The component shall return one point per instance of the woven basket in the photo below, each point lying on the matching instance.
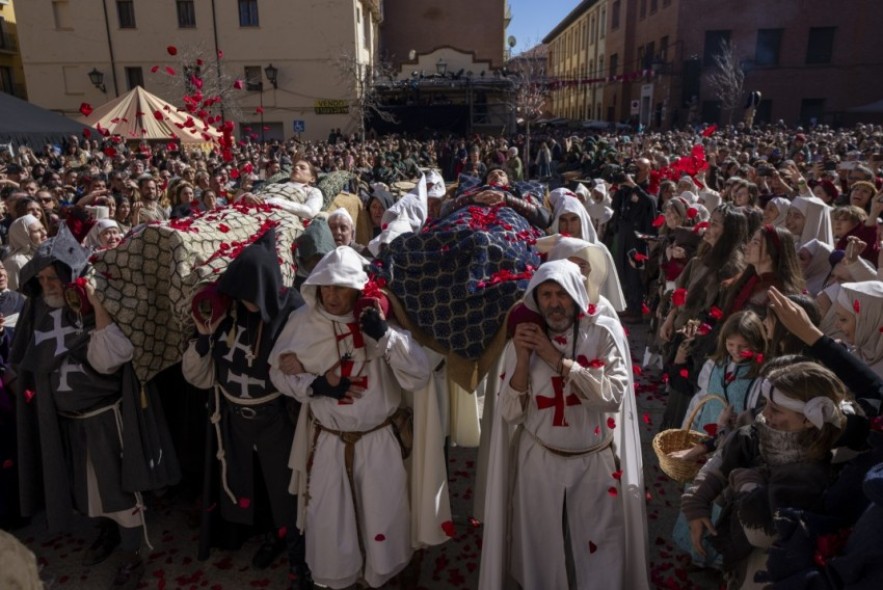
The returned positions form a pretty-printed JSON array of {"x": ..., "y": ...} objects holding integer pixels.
[{"x": 680, "y": 439}]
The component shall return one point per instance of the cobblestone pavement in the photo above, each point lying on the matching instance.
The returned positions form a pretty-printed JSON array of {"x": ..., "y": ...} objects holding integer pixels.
[{"x": 173, "y": 564}]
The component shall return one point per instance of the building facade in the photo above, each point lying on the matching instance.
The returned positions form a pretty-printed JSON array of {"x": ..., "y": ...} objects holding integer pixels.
[
  {"x": 12, "y": 78},
  {"x": 576, "y": 62},
  {"x": 811, "y": 62},
  {"x": 318, "y": 50}
]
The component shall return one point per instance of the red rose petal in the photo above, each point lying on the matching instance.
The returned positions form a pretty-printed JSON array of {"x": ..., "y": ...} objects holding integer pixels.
[
  {"x": 646, "y": 418},
  {"x": 617, "y": 474},
  {"x": 282, "y": 532},
  {"x": 172, "y": 50},
  {"x": 223, "y": 227},
  {"x": 380, "y": 537},
  {"x": 592, "y": 547},
  {"x": 611, "y": 423},
  {"x": 659, "y": 221},
  {"x": 644, "y": 309},
  {"x": 637, "y": 370},
  {"x": 29, "y": 395},
  {"x": 86, "y": 109},
  {"x": 711, "y": 429},
  {"x": 448, "y": 527},
  {"x": 692, "y": 212},
  {"x": 856, "y": 306},
  {"x": 715, "y": 313},
  {"x": 684, "y": 373},
  {"x": 679, "y": 297},
  {"x": 664, "y": 378},
  {"x": 244, "y": 503},
  {"x": 612, "y": 492}
]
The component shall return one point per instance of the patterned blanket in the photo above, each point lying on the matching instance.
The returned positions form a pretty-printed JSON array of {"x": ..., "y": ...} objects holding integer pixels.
[
  {"x": 457, "y": 279},
  {"x": 148, "y": 281}
]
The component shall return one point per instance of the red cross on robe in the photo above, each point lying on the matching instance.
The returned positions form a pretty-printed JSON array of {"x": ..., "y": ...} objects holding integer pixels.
[
  {"x": 353, "y": 327},
  {"x": 558, "y": 402},
  {"x": 346, "y": 370}
]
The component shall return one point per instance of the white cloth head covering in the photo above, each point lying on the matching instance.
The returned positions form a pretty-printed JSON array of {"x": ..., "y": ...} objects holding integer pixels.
[
  {"x": 566, "y": 274},
  {"x": 819, "y": 410},
  {"x": 564, "y": 201},
  {"x": 819, "y": 268},
  {"x": 582, "y": 193},
  {"x": 710, "y": 199},
  {"x": 818, "y": 219},
  {"x": 93, "y": 238},
  {"x": 20, "y": 237},
  {"x": 436, "y": 185},
  {"x": 782, "y": 205},
  {"x": 690, "y": 197},
  {"x": 408, "y": 214},
  {"x": 602, "y": 280},
  {"x": 342, "y": 213},
  {"x": 342, "y": 267},
  {"x": 868, "y": 341}
]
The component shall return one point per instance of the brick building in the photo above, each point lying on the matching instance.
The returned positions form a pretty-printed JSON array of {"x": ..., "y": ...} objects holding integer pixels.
[{"x": 811, "y": 61}]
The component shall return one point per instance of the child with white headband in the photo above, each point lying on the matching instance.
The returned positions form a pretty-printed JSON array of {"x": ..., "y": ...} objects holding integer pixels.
[{"x": 782, "y": 460}]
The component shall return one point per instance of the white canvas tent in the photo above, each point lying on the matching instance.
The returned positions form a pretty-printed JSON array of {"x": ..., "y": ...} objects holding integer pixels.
[{"x": 139, "y": 115}]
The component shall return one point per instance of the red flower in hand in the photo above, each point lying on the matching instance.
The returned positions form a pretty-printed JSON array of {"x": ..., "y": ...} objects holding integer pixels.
[{"x": 679, "y": 297}]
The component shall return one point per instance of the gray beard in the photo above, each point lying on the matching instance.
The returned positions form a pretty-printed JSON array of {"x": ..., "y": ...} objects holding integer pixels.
[{"x": 54, "y": 301}]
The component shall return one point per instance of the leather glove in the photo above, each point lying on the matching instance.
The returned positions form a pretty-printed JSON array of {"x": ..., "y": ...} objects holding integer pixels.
[
  {"x": 320, "y": 386},
  {"x": 372, "y": 324}
]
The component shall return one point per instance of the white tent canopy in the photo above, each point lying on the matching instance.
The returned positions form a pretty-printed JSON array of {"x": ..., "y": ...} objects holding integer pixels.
[{"x": 139, "y": 114}]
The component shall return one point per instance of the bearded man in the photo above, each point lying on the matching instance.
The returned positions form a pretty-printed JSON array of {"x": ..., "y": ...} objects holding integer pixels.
[{"x": 577, "y": 497}]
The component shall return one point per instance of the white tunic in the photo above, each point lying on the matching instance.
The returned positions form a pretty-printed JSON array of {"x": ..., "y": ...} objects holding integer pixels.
[{"x": 384, "y": 368}]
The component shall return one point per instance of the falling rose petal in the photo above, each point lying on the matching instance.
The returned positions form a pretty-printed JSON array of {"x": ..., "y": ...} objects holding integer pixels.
[
  {"x": 238, "y": 85},
  {"x": 758, "y": 358},
  {"x": 637, "y": 370},
  {"x": 154, "y": 69},
  {"x": 645, "y": 309},
  {"x": 611, "y": 423},
  {"x": 87, "y": 133},
  {"x": 259, "y": 110},
  {"x": 220, "y": 54},
  {"x": 612, "y": 492},
  {"x": 659, "y": 221},
  {"x": 592, "y": 547},
  {"x": 86, "y": 109},
  {"x": 170, "y": 70},
  {"x": 597, "y": 430},
  {"x": 715, "y": 312},
  {"x": 199, "y": 62},
  {"x": 711, "y": 429},
  {"x": 158, "y": 115},
  {"x": 856, "y": 306},
  {"x": 592, "y": 309},
  {"x": 684, "y": 373},
  {"x": 747, "y": 354},
  {"x": 617, "y": 474},
  {"x": 244, "y": 503},
  {"x": 692, "y": 212},
  {"x": 646, "y": 418},
  {"x": 448, "y": 527},
  {"x": 704, "y": 329},
  {"x": 380, "y": 537},
  {"x": 172, "y": 50}
]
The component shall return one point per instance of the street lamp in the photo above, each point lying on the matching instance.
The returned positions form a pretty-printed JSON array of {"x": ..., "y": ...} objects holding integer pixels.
[
  {"x": 272, "y": 73},
  {"x": 441, "y": 67},
  {"x": 97, "y": 79}
]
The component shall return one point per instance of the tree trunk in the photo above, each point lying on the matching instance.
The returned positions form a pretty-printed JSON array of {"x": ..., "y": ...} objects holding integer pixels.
[{"x": 526, "y": 155}]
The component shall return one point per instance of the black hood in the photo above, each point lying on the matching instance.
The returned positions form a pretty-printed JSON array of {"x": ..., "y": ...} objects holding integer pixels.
[{"x": 254, "y": 276}]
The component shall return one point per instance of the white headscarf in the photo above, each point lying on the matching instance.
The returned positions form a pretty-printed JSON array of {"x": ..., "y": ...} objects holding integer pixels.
[
  {"x": 342, "y": 267},
  {"x": 818, "y": 219},
  {"x": 602, "y": 280},
  {"x": 341, "y": 212},
  {"x": 868, "y": 341},
  {"x": 93, "y": 238},
  {"x": 436, "y": 185},
  {"x": 782, "y": 205},
  {"x": 710, "y": 199},
  {"x": 20, "y": 236},
  {"x": 819, "y": 268},
  {"x": 564, "y": 201}
]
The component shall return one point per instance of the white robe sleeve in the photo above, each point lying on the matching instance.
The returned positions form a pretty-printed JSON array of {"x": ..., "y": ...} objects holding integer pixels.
[
  {"x": 406, "y": 359},
  {"x": 296, "y": 386},
  {"x": 199, "y": 371},
  {"x": 511, "y": 401},
  {"x": 306, "y": 210},
  {"x": 602, "y": 388},
  {"x": 109, "y": 349}
]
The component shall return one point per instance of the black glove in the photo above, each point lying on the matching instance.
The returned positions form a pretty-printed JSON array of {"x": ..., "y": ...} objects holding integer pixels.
[
  {"x": 372, "y": 324},
  {"x": 320, "y": 386},
  {"x": 203, "y": 344}
]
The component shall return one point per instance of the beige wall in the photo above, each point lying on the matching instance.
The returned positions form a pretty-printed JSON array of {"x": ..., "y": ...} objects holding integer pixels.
[
  {"x": 303, "y": 42},
  {"x": 10, "y": 55}
]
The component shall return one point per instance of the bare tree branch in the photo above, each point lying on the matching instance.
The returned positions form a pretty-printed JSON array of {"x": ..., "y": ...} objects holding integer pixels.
[
  {"x": 528, "y": 96},
  {"x": 727, "y": 78},
  {"x": 359, "y": 79}
]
